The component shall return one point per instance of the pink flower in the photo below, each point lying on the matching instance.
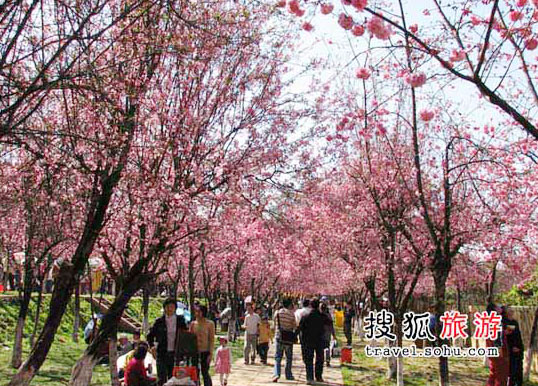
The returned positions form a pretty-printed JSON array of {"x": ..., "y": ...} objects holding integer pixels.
[
  {"x": 377, "y": 27},
  {"x": 413, "y": 28},
  {"x": 294, "y": 8},
  {"x": 359, "y": 4},
  {"x": 358, "y": 30},
  {"x": 307, "y": 26},
  {"x": 345, "y": 21},
  {"x": 516, "y": 15},
  {"x": 531, "y": 44},
  {"x": 457, "y": 55},
  {"x": 521, "y": 3},
  {"x": 475, "y": 20},
  {"x": 346, "y": 2},
  {"x": 281, "y": 3},
  {"x": 416, "y": 79},
  {"x": 426, "y": 115},
  {"x": 363, "y": 73},
  {"x": 326, "y": 8}
]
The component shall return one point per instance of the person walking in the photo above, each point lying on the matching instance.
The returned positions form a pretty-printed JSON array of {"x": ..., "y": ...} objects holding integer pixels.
[
  {"x": 328, "y": 333},
  {"x": 204, "y": 330},
  {"x": 265, "y": 336},
  {"x": 164, "y": 334},
  {"x": 305, "y": 309},
  {"x": 312, "y": 330},
  {"x": 499, "y": 367},
  {"x": 251, "y": 325},
  {"x": 223, "y": 361},
  {"x": 285, "y": 326},
  {"x": 515, "y": 349},
  {"x": 349, "y": 314}
]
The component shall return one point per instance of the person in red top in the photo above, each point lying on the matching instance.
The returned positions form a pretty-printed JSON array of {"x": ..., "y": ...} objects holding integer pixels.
[
  {"x": 499, "y": 367},
  {"x": 135, "y": 373}
]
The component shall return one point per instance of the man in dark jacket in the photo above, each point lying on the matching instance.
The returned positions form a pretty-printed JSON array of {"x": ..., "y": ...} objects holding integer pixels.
[
  {"x": 312, "y": 328},
  {"x": 515, "y": 348},
  {"x": 165, "y": 332},
  {"x": 349, "y": 314}
]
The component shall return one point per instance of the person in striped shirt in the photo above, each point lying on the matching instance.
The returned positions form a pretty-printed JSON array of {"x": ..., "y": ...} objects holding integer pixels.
[{"x": 284, "y": 320}]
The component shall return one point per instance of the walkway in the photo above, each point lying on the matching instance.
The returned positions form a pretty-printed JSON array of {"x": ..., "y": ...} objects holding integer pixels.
[{"x": 261, "y": 375}]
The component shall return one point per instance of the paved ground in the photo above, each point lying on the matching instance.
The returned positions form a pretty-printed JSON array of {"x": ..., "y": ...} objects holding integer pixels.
[{"x": 261, "y": 375}]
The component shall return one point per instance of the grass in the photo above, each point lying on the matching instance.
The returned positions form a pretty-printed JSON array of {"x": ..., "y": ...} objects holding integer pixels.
[
  {"x": 369, "y": 371},
  {"x": 64, "y": 352}
]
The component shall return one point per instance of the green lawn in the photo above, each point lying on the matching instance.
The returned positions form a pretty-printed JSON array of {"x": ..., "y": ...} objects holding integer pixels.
[{"x": 64, "y": 353}]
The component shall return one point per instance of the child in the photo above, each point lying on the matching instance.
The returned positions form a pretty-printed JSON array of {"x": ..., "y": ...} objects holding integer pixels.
[
  {"x": 223, "y": 361},
  {"x": 135, "y": 374},
  {"x": 266, "y": 335}
]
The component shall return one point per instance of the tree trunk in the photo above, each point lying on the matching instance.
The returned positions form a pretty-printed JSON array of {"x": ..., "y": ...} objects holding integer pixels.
[
  {"x": 145, "y": 309},
  {"x": 58, "y": 304},
  {"x": 82, "y": 372},
  {"x": 440, "y": 277},
  {"x": 76, "y": 318},
  {"x": 530, "y": 347},
  {"x": 37, "y": 312},
  {"x": 491, "y": 284},
  {"x": 16, "y": 359},
  {"x": 108, "y": 330},
  {"x": 113, "y": 358},
  {"x": 191, "y": 282}
]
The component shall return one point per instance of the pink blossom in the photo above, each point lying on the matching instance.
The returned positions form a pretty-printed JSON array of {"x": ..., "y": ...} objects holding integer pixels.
[
  {"x": 281, "y": 3},
  {"x": 346, "y": 2},
  {"x": 516, "y": 15},
  {"x": 294, "y": 8},
  {"x": 521, "y": 3},
  {"x": 326, "y": 8},
  {"x": 426, "y": 115},
  {"x": 359, "y": 4},
  {"x": 457, "y": 55},
  {"x": 363, "y": 73},
  {"x": 307, "y": 26},
  {"x": 358, "y": 30},
  {"x": 475, "y": 20},
  {"x": 377, "y": 27},
  {"x": 345, "y": 21},
  {"x": 416, "y": 80},
  {"x": 413, "y": 28},
  {"x": 531, "y": 44}
]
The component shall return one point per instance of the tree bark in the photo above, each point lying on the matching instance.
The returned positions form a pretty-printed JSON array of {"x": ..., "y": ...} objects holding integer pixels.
[
  {"x": 530, "y": 347},
  {"x": 37, "y": 312},
  {"x": 108, "y": 329},
  {"x": 145, "y": 309},
  {"x": 113, "y": 359},
  {"x": 58, "y": 304},
  {"x": 440, "y": 275},
  {"x": 16, "y": 359},
  {"x": 191, "y": 282},
  {"x": 76, "y": 318}
]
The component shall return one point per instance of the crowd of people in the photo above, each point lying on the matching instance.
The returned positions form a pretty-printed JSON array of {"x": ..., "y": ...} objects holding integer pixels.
[{"x": 174, "y": 342}]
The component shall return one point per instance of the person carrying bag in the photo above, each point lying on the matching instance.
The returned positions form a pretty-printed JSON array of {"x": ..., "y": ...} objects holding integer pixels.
[{"x": 285, "y": 338}]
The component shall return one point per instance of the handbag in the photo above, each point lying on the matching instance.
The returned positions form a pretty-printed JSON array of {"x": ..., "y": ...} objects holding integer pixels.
[{"x": 286, "y": 336}]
